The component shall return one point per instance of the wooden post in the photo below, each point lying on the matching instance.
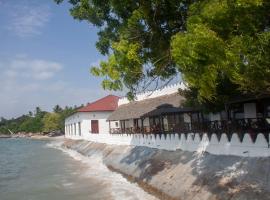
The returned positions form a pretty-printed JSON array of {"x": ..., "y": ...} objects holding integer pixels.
[
  {"x": 161, "y": 123},
  {"x": 124, "y": 126}
]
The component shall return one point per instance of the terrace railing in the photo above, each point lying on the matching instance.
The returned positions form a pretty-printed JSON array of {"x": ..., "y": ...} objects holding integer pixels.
[{"x": 253, "y": 126}]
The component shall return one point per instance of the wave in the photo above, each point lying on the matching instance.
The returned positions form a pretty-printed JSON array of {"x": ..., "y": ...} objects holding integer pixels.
[{"x": 119, "y": 187}]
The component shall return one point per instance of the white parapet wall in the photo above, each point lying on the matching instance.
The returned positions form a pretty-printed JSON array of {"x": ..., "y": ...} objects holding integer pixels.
[
  {"x": 170, "y": 89},
  {"x": 193, "y": 142}
]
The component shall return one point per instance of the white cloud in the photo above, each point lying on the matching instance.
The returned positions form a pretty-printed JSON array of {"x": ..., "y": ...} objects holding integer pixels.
[
  {"x": 27, "y": 83},
  {"x": 23, "y": 67},
  {"x": 28, "y": 20}
]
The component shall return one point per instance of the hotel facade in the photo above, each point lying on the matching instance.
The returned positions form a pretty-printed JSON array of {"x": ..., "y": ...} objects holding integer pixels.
[{"x": 158, "y": 119}]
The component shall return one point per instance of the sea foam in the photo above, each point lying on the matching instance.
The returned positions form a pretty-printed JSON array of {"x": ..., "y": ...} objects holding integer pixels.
[{"x": 120, "y": 188}]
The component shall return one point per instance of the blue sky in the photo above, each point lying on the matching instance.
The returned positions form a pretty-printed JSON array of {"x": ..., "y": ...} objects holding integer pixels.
[{"x": 45, "y": 57}]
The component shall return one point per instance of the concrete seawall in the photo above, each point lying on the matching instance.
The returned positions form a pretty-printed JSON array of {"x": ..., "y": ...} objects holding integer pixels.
[{"x": 182, "y": 174}]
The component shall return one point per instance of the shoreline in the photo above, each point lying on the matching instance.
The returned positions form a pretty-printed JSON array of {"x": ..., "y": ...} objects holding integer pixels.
[
  {"x": 171, "y": 175},
  {"x": 32, "y": 136}
]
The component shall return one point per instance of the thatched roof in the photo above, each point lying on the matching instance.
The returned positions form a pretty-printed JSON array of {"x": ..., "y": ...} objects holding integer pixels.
[
  {"x": 137, "y": 109},
  {"x": 168, "y": 110}
]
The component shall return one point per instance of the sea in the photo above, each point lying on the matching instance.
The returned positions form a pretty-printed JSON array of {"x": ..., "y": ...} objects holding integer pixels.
[{"x": 42, "y": 170}]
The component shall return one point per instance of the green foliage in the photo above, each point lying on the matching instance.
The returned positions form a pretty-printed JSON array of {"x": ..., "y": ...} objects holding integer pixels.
[
  {"x": 135, "y": 35},
  {"x": 221, "y": 47},
  {"x": 57, "y": 109},
  {"x": 225, "y": 50},
  {"x": 40, "y": 122},
  {"x": 51, "y": 122}
]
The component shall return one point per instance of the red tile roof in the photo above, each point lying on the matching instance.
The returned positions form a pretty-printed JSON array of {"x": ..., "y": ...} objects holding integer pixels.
[{"x": 108, "y": 103}]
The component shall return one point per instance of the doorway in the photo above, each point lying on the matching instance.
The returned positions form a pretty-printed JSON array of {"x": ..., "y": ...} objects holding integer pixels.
[{"x": 94, "y": 126}]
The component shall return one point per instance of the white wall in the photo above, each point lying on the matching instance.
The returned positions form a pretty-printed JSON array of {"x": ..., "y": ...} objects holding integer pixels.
[
  {"x": 214, "y": 116},
  {"x": 250, "y": 110},
  {"x": 170, "y": 89},
  {"x": 193, "y": 143},
  {"x": 85, "y": 119}
]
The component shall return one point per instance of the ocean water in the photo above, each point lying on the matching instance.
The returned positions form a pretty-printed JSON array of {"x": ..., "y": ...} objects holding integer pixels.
[{"x": 41, "y": 170}]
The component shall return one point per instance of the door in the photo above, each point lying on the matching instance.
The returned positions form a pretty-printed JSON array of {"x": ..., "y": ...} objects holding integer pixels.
[{"x": 94, "y": 126}]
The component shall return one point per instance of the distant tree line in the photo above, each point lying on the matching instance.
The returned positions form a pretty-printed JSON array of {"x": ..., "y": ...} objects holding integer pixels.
[{"x": 38, "y": 121}]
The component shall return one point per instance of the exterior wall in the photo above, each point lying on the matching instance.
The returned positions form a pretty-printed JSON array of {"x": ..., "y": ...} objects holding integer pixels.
[
  {"x": 250, "y": 110},
  {"x": 193, "y": 143},
  {"x": 214, "y": 117},
  {"x": 170, "y": 89},
  {"x": 84, "y": 118}
]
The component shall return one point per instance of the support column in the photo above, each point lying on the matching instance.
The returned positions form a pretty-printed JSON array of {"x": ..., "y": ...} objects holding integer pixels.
[
  {"x": 161, "y": 124},
  {"x": 142, "y": 125},
  {"x": 110, "y": 127}
]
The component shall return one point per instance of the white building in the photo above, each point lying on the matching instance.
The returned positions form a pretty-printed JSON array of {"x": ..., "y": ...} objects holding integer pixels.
[
  {"x": 92, "y": 119},
  {"x": 158, "y": 119}
]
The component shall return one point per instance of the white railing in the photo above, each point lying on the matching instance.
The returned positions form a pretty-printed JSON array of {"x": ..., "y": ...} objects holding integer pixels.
[{"x": 193, "y": 143}]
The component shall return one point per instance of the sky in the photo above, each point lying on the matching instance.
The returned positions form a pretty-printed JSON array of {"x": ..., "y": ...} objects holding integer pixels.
[{"x": 45, "y": 58}]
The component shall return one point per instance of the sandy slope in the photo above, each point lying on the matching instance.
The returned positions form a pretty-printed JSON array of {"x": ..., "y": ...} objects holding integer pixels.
[{"x": 185, "y": 175}]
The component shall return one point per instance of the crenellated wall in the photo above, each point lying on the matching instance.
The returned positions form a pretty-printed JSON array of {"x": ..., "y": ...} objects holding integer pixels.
[
  {"x": 193, "y": 143},
  {"x": 170, "y": 89}
]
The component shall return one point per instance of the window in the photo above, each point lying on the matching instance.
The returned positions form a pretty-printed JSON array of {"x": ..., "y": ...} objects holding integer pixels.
[
  {"x": 123, "y": 125},
  {"x": 135, "y": 123},
  {"x": 71, "y": 129},
  {"x": 179, "y": 118},
  {"x": 171, "y": 122},
  {"x": 79, "y": 126},
  {"x": 238, "y": 111},
  {"x": 195, "y": 117},
  {"x": 165, "y": 123}
]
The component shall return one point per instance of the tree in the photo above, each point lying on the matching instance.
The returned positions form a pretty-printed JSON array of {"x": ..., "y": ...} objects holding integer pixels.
[
  {"x": 30, "y": 113},
  {"x": 67, "y": 111},
  {"x": 135, "y": 35},
  {"x": 31, "y": 124},
  {"x": 41, "y": 121},
  {"x": 57, "y": 109},
  {"x": 225, "y": 50},
  {"x": 52, "y": 122},
  {"x": 38, "y": 111},
  {"x": 2, "y": 121},
  {"x": 221, "y": 47}
]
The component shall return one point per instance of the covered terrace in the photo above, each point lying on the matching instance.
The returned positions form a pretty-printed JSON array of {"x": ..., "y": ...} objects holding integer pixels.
[{"x": 162, "y": 114}]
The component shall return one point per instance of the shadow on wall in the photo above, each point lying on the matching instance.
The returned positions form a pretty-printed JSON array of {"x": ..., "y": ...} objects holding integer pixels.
[
  {"x": 233, "y": 177},
  {"x": 187, "y": 175},
  {"x": 226, "y": 177},
  {"x": 151, "y": 161}
]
